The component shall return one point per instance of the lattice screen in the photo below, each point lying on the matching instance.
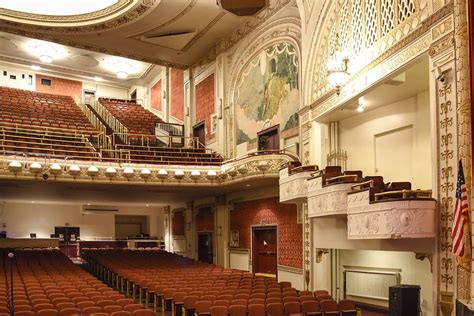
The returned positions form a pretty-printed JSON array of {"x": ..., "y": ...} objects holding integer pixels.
[
  {"x": 370, "y": 22},
  {"x": 362, "y": 23},
  {"x": 344, "y": 26},
  {"x": 357, "y": 27},
  {"x": 388, "y": 16},
  {"x": 405, "y": 9}
]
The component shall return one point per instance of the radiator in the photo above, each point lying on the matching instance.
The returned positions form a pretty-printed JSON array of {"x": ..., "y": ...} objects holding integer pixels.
[{"x": 369, "y": 284}]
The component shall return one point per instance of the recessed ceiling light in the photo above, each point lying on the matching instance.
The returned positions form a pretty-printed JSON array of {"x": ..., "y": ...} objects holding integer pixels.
[
  {"x": 98, "y": 79},
  {"x": 35, "y": 67},
  {"x": 147, "y": 205}
]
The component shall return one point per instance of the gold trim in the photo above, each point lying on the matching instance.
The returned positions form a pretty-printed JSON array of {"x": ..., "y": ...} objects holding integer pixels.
[{"x": 76, "y": 18}]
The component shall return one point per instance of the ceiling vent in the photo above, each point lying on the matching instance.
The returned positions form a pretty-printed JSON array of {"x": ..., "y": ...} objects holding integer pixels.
[
  {"x": 174, "y": 39},
  {"x": 98, "y": 209}
]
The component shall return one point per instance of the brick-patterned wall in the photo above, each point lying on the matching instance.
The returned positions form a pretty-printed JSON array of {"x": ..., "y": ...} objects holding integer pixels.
[
  {"x": 177, "y": 93},
  {"x": 156, "y": 96},
  {"x": 60, "y": 86},
  {"x": 177, "y": 223},
  {"x": 205, "y": 219},
  {"x": 271, "y": 212},
  {"x": 205, "y": 103}
]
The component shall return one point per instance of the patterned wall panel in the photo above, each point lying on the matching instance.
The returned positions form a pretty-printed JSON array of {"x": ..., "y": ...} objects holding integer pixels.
[
  {"x": 177, "y": 93},
  {"x": 156, "y": 96},
  {"x": 270, "y": 212},
  {"x": 177, "y": 223},
  {"x": 205, "y": 219},
  {"x": 60, "y": 86},
  {"x": 205, "y": 103}
]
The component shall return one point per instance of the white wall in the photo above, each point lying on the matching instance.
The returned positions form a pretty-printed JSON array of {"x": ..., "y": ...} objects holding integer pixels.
[
  {"x": 358, "y": 135},
  {"x": 102, "y": 90},
  {"x": 414, "y": 272},
  {"x": 21, "y": 219},
  {"x": 25, "y": 83}
]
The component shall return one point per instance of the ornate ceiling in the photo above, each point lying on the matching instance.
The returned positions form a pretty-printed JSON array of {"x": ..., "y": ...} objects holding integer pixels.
[{"x": 167, "y": 32}]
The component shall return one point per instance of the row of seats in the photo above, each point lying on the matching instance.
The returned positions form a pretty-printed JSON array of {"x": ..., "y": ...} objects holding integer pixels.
[
  {"x": 14, "y": 140},
  {"x": 23, "y": 107},
  {"x": 133, "y": 116},
  {"x": 47, "y": 283},
  {"x": 40, "y": 124},
  {"x": 172, "y": 282}
]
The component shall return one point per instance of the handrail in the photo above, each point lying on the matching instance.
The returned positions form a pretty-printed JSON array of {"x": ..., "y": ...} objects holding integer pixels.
[
  {"x": 95, "y": 121},
  {"x": 406, "y": 194},
  {"x": 263, "y": 152},
  {"x": 344, "y": 176},
  {"x": 110, "y": 119},
  {"x": 49, "y": 129},
  {"x": 168, "y": 140}
]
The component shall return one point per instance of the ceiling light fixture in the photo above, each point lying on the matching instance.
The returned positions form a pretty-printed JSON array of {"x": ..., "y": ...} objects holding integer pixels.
[
  {"x": 45, "y": 51},
  {"x": 360, "y": 108},
  {"x": 338, "y": 74}
]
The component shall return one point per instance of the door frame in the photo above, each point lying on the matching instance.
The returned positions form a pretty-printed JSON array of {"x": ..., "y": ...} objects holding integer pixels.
[
  {"x": 203, "y": 123},
  {"x": 263, "y": 227},
  {"x": 267, "y": 131},
  {"x": 205, "y": 232}
]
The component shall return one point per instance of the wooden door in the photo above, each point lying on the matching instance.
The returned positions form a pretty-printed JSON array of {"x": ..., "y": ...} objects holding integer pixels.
[
  {"x": 205, "y": 253},
  {"x": 199, "y": 131},
  {"x": 264, "y": 250},
  {"x": 269, "y": 139}
]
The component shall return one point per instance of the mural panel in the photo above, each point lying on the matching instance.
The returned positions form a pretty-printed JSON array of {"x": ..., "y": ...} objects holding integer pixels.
[{"x": 268, "y": 93}]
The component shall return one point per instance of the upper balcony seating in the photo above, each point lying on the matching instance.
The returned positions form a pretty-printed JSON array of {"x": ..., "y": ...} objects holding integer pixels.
[
  {"x": 49, "y": 143},
  {"x": 176, "y": 283},
  {"x": 42, "y": 110},
  {"x": 46, "y": 282},
  {"x": 133, "y": 116}
]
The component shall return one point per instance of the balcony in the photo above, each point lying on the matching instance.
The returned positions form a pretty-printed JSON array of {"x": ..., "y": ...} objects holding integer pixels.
[
  {"x": 392, "y": 211},
  {"x": 293, "y": 182},
  {"x": 327, "y": 191}
]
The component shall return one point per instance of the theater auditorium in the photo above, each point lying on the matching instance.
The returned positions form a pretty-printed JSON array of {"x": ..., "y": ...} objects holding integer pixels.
[{"x": 236, "y": 157}]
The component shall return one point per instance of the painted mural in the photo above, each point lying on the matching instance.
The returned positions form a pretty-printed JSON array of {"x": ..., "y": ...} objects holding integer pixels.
[{"x": 267, "y": 92}]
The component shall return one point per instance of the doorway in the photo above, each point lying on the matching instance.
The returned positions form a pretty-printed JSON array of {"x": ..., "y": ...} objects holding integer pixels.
[
  {"x": 133, "y": 96},
  {"x": 205, "y": 253},
  {"x": 269, "y": 139},
  {"x": 199, "y": 131},
  {"x": 264, "y": 250}
]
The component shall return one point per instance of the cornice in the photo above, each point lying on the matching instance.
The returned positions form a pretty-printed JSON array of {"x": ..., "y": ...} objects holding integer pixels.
[{"x": 123, "y": 12}]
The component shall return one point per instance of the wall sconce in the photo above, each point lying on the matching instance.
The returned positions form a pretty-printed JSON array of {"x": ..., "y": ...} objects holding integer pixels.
[{"x": 338, "y": 74}]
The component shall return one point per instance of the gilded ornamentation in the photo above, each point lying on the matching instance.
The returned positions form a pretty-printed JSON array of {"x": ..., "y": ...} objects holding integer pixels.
[
  {"x": 60, "y": 20},
  {"x": 463, "y": 110},
  {"x": 247, "y": 27}
]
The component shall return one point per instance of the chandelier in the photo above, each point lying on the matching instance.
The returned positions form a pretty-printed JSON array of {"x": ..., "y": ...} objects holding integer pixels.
[{"x": 337, "y": 67}]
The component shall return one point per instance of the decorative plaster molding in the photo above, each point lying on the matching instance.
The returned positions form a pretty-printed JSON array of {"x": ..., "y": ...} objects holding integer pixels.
[
  {"x": 393, "y": 220},
  {"x": 240, "y": 170},
  {"x": 117, "y": 15},
  {"x": 245, "y": 29},
  {"x": 327, "y": 201}
]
